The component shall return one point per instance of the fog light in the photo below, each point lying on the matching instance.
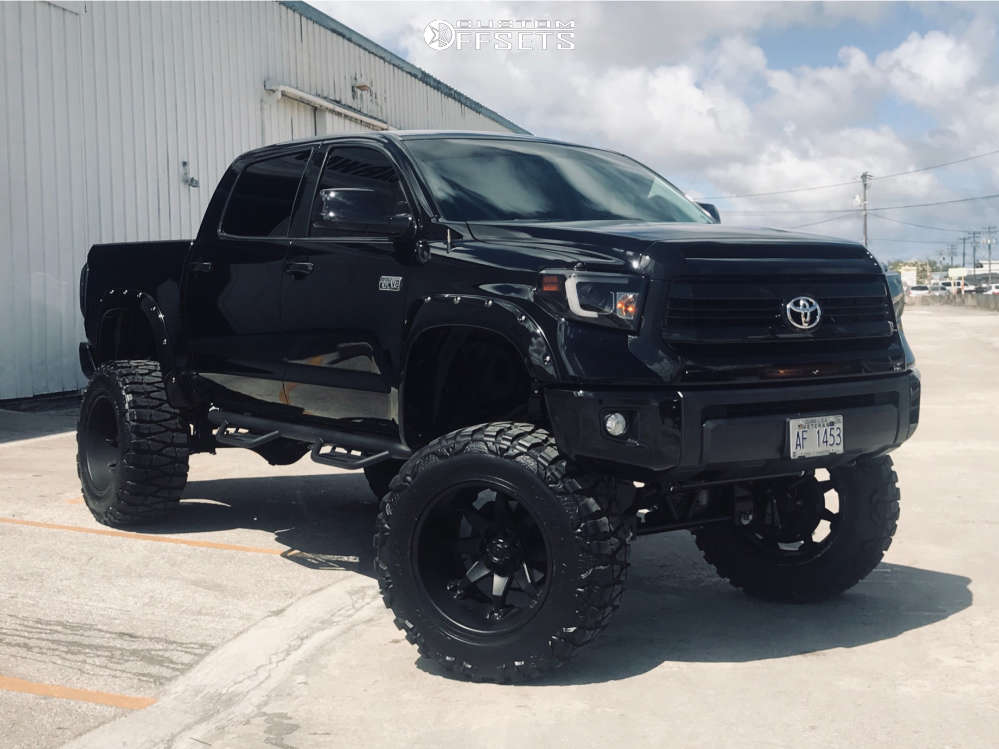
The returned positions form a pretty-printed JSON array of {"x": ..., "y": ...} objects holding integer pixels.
[{"x": 615, "y": 424}]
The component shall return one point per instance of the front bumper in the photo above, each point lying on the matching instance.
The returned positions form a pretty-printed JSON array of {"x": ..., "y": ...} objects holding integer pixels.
[{"x": 735, "y": 430}]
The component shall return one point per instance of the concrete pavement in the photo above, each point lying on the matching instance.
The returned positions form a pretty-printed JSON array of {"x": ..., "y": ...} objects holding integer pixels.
[{"x": 270, "y": 632}]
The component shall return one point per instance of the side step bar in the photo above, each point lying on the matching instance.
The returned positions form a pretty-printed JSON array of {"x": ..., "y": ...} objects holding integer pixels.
[{"x": 346, "y": 450}]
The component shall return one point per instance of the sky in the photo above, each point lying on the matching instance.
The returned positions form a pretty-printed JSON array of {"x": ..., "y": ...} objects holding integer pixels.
[{"x": 729, "y": 99}]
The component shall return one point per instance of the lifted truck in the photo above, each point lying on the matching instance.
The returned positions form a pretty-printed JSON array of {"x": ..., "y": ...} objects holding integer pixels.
[{"x": 534, "y": 350}]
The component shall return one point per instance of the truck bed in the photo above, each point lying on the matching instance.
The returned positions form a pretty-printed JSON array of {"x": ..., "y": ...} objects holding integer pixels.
[{"x": 131, "y": 268}]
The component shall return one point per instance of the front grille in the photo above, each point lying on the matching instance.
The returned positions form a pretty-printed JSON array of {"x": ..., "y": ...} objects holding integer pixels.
[
  {"x": 754, "y": 310},
  {"x": 712, "y": 312},
  {"x": 856, "y": 309}
]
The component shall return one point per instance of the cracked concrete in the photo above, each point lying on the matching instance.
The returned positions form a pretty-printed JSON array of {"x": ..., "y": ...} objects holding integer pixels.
[
  {"x": 230, "y": 685},
  {"x": 127, "y": 617},
  {"x": 90, "y": 650}
]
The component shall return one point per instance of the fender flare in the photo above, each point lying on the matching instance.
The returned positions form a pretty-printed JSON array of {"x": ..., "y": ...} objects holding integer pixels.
[
  {"x": 472, "y": 312},
  {"x": 499, "y": 316},
  {"x": 117, "y": 302}
]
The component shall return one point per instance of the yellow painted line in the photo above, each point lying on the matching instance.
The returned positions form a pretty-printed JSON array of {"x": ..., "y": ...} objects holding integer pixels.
[
  {"x": 144, "y": 537},
  {"x": 10, "y": 684}
]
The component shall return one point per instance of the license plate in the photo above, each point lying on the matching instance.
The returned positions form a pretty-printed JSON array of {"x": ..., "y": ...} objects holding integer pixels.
[{"x": 815, "y": 436}]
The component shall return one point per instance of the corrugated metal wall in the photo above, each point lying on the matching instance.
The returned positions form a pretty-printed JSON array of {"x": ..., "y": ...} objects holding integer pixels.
[{"x": 101, "y": 104}]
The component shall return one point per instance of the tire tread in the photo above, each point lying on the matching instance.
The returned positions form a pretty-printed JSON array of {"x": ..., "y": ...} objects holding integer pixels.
[
  {"x": 155, "y": 463},
  {"x": 872, "y": 484}
]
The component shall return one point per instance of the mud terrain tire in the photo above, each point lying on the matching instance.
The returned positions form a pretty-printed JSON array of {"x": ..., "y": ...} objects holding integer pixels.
[
  {"x": 867, "y": 519},
  {"x": 583, "y": 531},
  {"x": 132, "y": 445}
]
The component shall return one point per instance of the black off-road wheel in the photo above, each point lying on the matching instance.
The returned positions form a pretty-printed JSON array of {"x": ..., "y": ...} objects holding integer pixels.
[
  {"x": 809, "y": 540},
  {"x": 497, "y": 558},
  {"x": 132, "y": 445}
]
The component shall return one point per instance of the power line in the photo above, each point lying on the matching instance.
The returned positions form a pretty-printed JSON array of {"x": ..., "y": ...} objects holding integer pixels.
[
  {"x": 853, "y": 181},
  {"x": 798, "y": 211},
  {"x": 921, "y": 226},
  {"x": 937, "y": 166},
  {"x": 781, "y": 192},
  {"x": 991, "y": 196},
  {"x": 907, "y": 241},
  {"x": 816, "y": 223}
]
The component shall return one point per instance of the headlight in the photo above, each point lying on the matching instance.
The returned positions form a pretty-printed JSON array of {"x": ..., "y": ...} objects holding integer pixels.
[{"x": 602, "y": 298}]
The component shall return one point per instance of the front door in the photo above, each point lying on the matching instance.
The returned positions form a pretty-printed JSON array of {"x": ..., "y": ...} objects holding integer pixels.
[
  {"x": 233, "y": 289},
  {"x": 344, "y": 299}
]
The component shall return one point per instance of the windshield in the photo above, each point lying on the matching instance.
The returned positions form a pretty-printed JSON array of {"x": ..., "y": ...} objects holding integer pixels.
[{"x": 477, "y": 179}]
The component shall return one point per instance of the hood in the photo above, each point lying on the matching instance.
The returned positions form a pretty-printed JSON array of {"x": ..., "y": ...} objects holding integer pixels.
[{"x": 669, "y": 243}]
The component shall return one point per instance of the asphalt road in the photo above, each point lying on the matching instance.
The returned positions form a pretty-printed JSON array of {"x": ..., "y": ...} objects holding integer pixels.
[{"x": 251, "y": 619}]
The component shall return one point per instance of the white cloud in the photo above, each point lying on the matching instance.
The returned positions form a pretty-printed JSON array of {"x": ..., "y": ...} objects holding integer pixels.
[
  {"x": 932, "y": 70},
  {"x": 824, "y": 97},
  {"x": 690, "y": 89}
]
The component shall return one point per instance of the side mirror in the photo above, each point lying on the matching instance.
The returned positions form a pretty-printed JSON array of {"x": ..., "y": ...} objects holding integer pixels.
[
  {"x": 712, "y": 210},
  {"x": 363, "y": 210}
]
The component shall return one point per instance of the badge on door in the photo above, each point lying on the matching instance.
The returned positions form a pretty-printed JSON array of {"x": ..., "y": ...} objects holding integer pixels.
[{"x": 390, "y": 283}]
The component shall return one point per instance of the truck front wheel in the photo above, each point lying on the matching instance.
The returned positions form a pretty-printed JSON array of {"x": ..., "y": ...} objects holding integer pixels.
[
  {"x": 807, "y": 539},
  {"x": 498, "y": 560},
  {"x": 132, "y": 445}
]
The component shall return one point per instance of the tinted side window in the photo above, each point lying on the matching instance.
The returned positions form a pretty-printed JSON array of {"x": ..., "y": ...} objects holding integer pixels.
[
  {"x": 264, "y": 196},
  {"x": 365, "y": 184}
]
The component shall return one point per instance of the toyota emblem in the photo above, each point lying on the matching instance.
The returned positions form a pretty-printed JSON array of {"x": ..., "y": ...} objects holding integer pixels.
[{"x": 803, "y": 312}]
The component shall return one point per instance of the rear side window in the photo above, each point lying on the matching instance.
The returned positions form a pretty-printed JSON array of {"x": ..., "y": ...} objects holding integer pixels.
[{"x": 264, "y": 196}]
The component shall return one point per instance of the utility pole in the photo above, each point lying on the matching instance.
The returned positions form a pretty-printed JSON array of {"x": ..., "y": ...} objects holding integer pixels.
[
  {"x": 991, "y": 231},
  {"x": 865, "y": 178},
  {"x": 964, "y": 248},
  {"x": 974, "y": 251},
  {"x": 990, "y": 242}
]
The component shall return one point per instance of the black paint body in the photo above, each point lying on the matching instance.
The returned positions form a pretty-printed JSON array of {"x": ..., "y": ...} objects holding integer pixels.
[{"x": 296, "y": 328}]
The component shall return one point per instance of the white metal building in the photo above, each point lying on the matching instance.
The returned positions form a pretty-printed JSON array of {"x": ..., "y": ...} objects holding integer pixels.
[{"x": 110, "y": 110}]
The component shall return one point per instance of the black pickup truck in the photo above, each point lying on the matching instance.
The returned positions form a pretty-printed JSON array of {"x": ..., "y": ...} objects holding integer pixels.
[{"x": 534, "y": 350}]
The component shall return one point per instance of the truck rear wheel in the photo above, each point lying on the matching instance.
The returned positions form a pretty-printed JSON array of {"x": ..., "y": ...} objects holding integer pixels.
[
  {"x": 803, "y": 545},
  {"x": 132, "y": 445},
  {"x": 498, "y": 560}
]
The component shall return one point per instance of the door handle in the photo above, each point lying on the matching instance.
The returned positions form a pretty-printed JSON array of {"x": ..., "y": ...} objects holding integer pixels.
[
  {"x": 299, "y": 269},
  {"x": 201, "y": 266}
]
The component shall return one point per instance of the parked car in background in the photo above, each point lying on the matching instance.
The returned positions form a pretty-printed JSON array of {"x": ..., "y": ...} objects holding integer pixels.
[
  {"x": 919, "y": 290},
  {"x": 992, "y": 289}
]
